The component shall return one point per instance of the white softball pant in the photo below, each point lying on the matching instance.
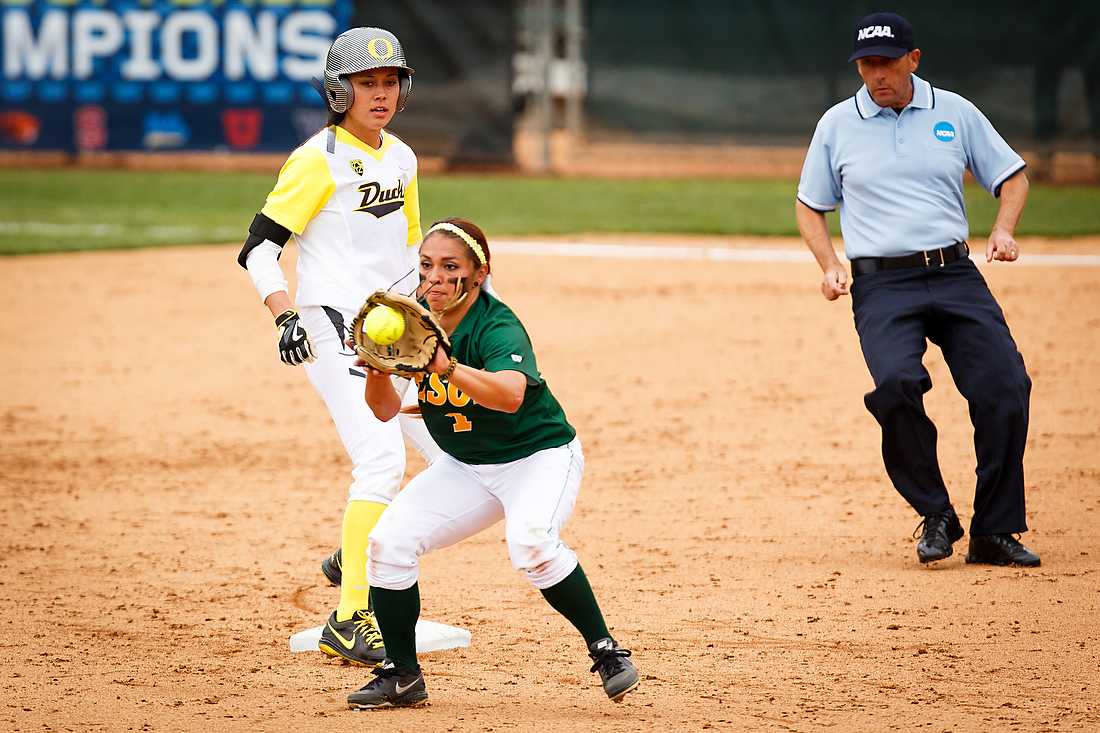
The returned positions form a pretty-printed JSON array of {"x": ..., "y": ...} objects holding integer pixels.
[
  {"x": 376, "y": 449},
  {"x": 450, "y": 501}
]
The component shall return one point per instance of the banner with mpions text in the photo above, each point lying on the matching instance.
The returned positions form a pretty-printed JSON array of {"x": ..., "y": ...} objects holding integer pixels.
[{"x": 89, "y": 75}]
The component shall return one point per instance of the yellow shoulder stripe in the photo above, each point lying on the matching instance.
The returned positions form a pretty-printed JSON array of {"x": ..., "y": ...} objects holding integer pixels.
[{"x": 304, "y": 187}]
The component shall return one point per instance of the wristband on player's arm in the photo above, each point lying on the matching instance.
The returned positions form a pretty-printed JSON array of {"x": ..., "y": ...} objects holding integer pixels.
[{"x": 445, "y": 375}]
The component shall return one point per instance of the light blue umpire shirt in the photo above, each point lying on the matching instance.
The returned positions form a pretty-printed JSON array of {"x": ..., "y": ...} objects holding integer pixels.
[{"x": 898, "y": 177}]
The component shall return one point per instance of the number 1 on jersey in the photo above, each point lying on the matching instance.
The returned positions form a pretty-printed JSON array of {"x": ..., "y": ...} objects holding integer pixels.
[{"x": 462, "y": 424}]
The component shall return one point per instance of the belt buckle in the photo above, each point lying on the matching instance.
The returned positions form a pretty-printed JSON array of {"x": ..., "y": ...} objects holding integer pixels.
[{"x": 928, "y": 260}]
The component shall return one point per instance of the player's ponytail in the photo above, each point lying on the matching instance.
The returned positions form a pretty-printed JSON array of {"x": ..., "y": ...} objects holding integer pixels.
[{"x": 335, "y": 118}]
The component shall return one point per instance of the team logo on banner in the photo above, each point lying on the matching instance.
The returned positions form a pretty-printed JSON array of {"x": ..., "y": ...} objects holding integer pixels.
[
  {"x": 19, "y": 127},
  {"x": 242, "y": 127},
  {"x": 165, "y": 130},
  {"x": 307, "y": 121},
  {"x": 357, "y": 166},
  {"x": 90, "y": 127}
]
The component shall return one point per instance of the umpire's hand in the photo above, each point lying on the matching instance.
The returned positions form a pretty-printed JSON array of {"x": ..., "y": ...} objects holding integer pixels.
[
  {"x": 294, "y": 344},
  {"x": 1001, "y": 246},
  {"x": 835, "y": 282}
]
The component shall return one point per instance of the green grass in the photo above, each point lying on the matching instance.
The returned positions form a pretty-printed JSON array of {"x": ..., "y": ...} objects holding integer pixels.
[
  {"x": 69, "y": 209},
  {"x": 75, "y": 209}
]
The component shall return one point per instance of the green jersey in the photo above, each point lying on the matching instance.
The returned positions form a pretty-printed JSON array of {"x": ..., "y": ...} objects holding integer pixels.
[{"x": 490, "y": 337}]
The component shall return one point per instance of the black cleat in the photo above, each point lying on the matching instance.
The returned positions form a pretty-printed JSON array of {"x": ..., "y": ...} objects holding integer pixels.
[
  {"x": 356, "y": 640},
  {"x": 941, "y": 530},
  {"x": 392, "y": 687},
  {"x": 616, "y": 671},
  {"x": 1000, "y": 549},
  {"x": 333, "y": 567}
]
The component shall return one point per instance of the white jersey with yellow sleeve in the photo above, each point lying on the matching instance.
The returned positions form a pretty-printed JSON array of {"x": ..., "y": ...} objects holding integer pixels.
[{"x": 354, "y": 212}]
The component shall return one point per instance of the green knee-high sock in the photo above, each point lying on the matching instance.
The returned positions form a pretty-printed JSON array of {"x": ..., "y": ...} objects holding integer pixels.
[
  {"x": 397, "y": 612},
  {"x": 573, "y": 599}
]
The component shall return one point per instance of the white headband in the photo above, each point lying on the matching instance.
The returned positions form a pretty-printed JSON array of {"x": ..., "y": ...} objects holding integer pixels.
[{"x": 461, "y": 234}]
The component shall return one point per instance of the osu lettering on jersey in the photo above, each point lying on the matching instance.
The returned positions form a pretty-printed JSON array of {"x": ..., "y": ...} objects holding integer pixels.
[{"x": 490, "y": 337}]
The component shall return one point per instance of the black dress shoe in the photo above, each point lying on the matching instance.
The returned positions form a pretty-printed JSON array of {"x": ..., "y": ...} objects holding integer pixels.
[
  {"x": 941, "y": 530},
  {"x": 1000, "y": 549}
]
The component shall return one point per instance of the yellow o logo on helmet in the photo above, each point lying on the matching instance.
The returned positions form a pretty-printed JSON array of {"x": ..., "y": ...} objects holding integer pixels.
[{"x": 385, "y": 53}]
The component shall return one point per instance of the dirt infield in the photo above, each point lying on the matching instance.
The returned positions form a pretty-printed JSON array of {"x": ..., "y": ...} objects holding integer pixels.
[{"x": 168, "y": 488}]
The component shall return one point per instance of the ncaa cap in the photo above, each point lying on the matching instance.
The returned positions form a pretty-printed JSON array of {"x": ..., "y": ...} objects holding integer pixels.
[{"x": 882, "y": 34}]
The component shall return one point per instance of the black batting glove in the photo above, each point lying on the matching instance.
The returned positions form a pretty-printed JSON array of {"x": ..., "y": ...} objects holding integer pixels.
[{"x": 294, "y": 345}]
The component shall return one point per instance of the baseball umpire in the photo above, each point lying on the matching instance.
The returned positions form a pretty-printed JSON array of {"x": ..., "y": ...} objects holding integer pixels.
[{"x": 892, "y": 157}]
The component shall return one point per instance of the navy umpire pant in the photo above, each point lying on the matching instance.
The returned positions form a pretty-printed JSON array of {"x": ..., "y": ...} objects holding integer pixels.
[{"x": 895, "y": 312}]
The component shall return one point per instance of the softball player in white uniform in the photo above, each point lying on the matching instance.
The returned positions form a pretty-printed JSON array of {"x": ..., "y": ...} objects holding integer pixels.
[{"x": 348, "y": 197}]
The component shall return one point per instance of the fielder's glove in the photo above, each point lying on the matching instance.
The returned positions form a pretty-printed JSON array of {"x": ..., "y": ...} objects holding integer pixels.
[
  {"x": 414, "y": 350},
  {"x": 294, "y": 345}
]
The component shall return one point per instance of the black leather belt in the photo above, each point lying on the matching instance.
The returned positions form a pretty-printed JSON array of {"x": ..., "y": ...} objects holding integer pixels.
[{"x": 928, "y": 258}]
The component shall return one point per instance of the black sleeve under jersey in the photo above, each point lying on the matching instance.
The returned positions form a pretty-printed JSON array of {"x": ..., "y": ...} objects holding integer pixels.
[{"x": 261, "y": 228}]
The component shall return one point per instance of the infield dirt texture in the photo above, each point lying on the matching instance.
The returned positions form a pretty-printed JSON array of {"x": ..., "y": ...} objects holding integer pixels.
[{"x": 168, "y": 488}]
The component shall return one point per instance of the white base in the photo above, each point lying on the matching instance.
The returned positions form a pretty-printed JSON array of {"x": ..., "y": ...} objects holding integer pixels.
[{"x": 430, "y": 637}]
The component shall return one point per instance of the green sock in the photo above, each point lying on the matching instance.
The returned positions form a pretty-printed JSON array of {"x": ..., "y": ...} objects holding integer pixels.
[
  {"x": 573, "y": 599},
  {"x": 397, "y": 612}
]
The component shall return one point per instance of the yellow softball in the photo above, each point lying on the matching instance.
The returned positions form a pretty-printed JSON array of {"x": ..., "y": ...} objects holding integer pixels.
[{"x": 383, "y": 325}]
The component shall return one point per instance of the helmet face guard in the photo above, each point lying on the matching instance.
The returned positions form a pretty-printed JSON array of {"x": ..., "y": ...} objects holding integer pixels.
[{"x": 362, "y": 49}]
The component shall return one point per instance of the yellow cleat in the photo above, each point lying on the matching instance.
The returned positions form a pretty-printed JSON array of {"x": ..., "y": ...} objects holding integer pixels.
[{"x": 356, "y": 640}]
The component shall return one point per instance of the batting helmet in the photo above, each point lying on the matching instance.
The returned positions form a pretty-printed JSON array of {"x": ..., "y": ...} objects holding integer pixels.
[{"x": 360, "y": 49}]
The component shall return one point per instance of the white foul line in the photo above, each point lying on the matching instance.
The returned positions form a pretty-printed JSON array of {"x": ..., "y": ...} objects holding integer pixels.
[
  {"x": 609, "y": 250},
  {"x": 194, "y": 232},
  {"x": 728, "y": 254}
]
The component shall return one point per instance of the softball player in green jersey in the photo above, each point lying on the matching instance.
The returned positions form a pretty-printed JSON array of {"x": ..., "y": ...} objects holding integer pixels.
[{"x": 508, "y": 453}]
